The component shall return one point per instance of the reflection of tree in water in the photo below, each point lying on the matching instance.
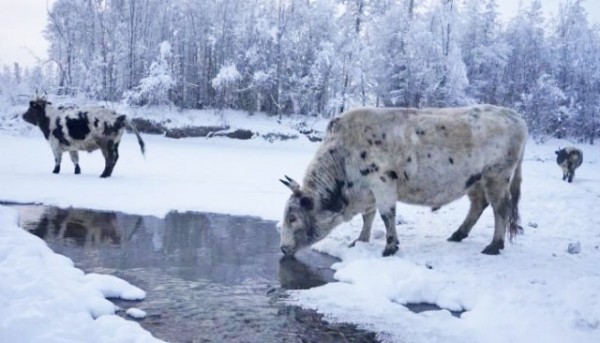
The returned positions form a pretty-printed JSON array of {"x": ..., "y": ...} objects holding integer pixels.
[
  {"x": 84, "y": 227},
  {"x": 221, "y": 247}
]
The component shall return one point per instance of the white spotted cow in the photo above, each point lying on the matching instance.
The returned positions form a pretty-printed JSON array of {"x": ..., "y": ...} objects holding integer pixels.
[
  {"x": 75, "y": 129},
  {"x": 372, "y": 158}
]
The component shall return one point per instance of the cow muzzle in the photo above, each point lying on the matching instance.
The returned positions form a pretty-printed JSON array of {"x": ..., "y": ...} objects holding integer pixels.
[{"x": 288, "y": 250}]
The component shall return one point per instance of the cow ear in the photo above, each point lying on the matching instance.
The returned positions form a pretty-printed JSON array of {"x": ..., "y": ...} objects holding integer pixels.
[
  {"x": 32, "y": 104},
  {"x": 307, "y": 203}
]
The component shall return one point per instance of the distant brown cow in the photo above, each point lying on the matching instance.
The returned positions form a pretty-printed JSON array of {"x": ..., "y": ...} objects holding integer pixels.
[
  {"x": 373, "y": 157},
  {"x": 569, "y": 159}
]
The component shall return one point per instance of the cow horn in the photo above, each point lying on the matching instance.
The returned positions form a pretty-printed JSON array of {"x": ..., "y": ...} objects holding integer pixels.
[{"x": 291, "y": 184}]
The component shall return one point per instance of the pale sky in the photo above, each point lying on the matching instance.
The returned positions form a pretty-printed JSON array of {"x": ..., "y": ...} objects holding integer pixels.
[
  {"x": 21, "y": 26},
  {"x": 22, "y": 23}
]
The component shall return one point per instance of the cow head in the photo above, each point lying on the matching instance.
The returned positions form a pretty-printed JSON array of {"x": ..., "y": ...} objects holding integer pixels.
[
  {"x": 561, "y": 155},
  {"x": 36, "y": 111},
  {"x": 305, "y": 220}
]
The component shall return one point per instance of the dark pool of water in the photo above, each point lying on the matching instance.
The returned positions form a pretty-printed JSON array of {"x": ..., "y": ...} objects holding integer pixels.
[{"x": 208, "y": 277}]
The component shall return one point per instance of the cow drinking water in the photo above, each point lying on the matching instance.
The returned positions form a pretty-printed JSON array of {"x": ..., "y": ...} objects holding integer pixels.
[
  {"x": 569, "y": 159},
  {"x": 373, "y": 157},
  {"x": 87, "y": 129}
]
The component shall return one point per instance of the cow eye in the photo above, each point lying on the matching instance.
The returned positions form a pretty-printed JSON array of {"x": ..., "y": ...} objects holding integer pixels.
[{"x": 292, "y": 219}]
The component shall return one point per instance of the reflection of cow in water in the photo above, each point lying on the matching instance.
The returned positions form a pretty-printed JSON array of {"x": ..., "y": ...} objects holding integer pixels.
[
  {"x": 569, "y": 159},
  {"x": 84, "y": 227}
]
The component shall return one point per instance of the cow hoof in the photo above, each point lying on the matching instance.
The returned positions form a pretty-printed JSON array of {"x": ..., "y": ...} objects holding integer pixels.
[
  {"x": 56, "y": 170},
  {"x": 104, "y": 175},
  {"x": 351, "y": 245},
  {"x": 493, "y": 248},
  {"x": 77, "y": 170},
  {"x": 457, "y": 236},
  {"x": 390, "y": 250}
]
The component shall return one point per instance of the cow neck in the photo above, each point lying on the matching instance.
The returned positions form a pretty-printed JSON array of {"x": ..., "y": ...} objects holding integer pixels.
[{"x": 325, "y": 174}]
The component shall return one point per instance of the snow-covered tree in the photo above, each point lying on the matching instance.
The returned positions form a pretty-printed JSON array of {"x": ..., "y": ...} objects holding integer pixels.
[{"x": 155, "y": 89}]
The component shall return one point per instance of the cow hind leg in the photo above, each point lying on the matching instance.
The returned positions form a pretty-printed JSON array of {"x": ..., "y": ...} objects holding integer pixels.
[
  {"x": 571, "y": 173},
  {"x": 499, "y": 197},
  {"x": 478, "y": 205},
  {"x": 111, "y": 155},
  {"x": 75, "y": 159}
]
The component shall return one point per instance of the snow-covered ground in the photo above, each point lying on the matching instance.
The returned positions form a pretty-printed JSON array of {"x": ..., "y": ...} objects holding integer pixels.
[{"x": 534, "y": 291}]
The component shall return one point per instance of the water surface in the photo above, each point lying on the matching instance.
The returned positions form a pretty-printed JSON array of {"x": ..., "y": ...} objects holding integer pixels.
[{"x": 208, "y": 277}]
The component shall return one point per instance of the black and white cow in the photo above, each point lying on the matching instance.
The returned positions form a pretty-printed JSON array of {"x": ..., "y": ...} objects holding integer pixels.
[
  {"x": 569, "y": 159},
  {"x": 87, "y": 129},
  {"x": 373, "y": 157}
]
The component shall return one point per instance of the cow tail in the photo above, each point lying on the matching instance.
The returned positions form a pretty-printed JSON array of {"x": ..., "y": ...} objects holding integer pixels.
[
  {"x": 132, "y": 127},
  {"x": 514, "y": 227}
]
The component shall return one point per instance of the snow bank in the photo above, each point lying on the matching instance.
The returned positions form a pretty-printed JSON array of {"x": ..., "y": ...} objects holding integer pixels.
[{"x": 45, "y": 299}]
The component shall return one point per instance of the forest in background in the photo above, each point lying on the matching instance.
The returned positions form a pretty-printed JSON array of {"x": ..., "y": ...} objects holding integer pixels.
[{"x": 321, "y": 57}]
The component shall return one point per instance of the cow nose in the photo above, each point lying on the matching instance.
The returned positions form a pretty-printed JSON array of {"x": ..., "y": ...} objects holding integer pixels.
[{"x": 287, "y": 250}]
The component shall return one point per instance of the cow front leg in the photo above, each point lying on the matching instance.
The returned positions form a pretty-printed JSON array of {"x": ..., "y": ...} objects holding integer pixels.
[
  {"x": 385, "y": 198},
  {"x": 478, "y": 205},
  {"x": 75, "y": 159},
  {"x": 365, "y": 233},
  {"x": 391, "y": 237},
  {"x": 57, "y": 159}
]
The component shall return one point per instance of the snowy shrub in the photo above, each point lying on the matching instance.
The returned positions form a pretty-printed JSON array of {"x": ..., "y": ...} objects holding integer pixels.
[
  {"x": 155, "y": 88},
  {"x": 226, "y": 81}
]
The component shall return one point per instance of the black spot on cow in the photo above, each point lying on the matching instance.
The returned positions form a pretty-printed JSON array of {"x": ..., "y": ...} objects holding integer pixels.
[
  {"x": 421, "y": 132},
  {"x": 472, "y": 179},
  {"x": 59, "y": 134},
  {"x": 363, "y": 155},
  {"x": 409, "y": 159},
  {"x": 383, "y": 179},
  {"x": 307, "y": 203},
  {"x": 111, "y": 130},
  {"x": 406, "y": 175},
  {"x": 96, "y": 122},
  {"x": 334, "y": 200},
  {"x": 372, "y": 168},
  {"x": 78, "y": 127},
  {"x": 44, "y": 124},
  {"x": 428, "y": 155},
  {"x": 350, "y": 184},
  {"x": 451, "y": 160},
  {"x": 383, "y": 136},
  {"x": 378, "y": 142},
  {"x": 392, "y": 175},
  {"x": 443, "y": 127},
  {"x": 370, "y": 141}
]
